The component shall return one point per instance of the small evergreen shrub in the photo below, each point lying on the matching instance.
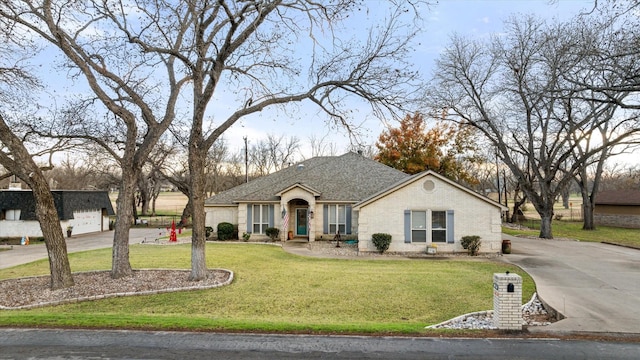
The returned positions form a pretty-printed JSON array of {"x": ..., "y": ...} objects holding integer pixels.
[
  {"x": 272, "y": 232},
  {"x": 225, "y": 231},
  {"x": 208, "y": 230},
  {"x": 472, "y": 244},
  {"x": 381, "y": 241}
]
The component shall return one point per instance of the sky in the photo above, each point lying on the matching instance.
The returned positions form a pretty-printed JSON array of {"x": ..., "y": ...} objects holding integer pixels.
[{"x": 473, "y": 18}]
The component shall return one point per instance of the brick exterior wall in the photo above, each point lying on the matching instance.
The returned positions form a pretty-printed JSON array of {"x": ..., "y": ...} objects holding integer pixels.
[
  {"x": 472, "y": 216},
  {"x": 507, "y": 306},
  {"x": 618, "y": 220}
]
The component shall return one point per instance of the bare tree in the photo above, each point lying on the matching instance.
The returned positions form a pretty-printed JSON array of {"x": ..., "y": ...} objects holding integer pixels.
[
  {"x": 320, "y": 146},
  {"x": 16, "y": 83},
  {"x": 273, "y": 154},
  {"x": 513, "y": 91},
  {"x": 95, "y": 41},
  {"x": 138, "y": 57}
]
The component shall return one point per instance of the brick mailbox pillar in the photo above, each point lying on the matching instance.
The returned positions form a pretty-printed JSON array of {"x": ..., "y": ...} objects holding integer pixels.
[{"x": 507, "y": 301}]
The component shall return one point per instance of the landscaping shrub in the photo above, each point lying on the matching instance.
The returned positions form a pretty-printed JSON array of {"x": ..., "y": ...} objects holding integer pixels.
[
  {"x": 472, "y": 244},
  {"x": 272, "y": 232},
  {"x": 381, "y": 241},
  {"x": 225, "y": 231},
  {"x": 208, "y": 230}
]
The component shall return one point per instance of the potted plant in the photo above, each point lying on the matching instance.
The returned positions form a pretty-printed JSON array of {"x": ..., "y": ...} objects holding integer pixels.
[
  {"x": 432, "y": 249},
  {"x": 69, "y": 230}
]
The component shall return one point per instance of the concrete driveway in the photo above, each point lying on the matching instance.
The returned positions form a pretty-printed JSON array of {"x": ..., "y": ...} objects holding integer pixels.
[
  {"x": 36, "y": 251},
  {"x": 595, "y": 286}
]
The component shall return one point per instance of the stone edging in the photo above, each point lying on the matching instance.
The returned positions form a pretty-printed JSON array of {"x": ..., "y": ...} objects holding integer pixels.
[
  {"x": 477, "y": 313},
  {"x": 115, "y": 295}
]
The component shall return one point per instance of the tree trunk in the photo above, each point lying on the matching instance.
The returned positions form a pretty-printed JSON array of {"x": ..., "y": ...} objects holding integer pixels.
[
  {"x": 545, "y": 226},
  {"x": 587, "y": 212},
  {"x": 197, "y": 195},
  {"x": 565, "y": 197},
  {"x": 120, "y": 265},
  {"x": 544, "y": 207},
  {"x": 187, "y": 212},
  {"x": 144, "y": 192},
  {"x": 54, "y": 238}
]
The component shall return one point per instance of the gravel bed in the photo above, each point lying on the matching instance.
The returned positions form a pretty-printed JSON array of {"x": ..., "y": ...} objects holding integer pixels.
[
  {"x": 533, "y": 314},
  {"x": 30, "y": 292}
]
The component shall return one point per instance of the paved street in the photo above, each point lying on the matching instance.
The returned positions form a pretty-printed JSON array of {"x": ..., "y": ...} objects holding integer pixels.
[
  {"x": 84, "y": 344},
  {"x": 596, "y": 286}
]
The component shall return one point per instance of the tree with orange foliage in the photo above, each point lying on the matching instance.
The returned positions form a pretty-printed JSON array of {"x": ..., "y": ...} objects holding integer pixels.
[{"x": 448, "y": 149}]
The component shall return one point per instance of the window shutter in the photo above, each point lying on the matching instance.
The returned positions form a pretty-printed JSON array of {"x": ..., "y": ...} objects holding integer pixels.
[
  {"x": 450, "y": 236},
  {"x": 325, "y": 219},
  {"x": 249, "y": 218},
  {"x": 407, "y": 226},
  {"x": 271, "y": 215},
  {"x": 348, "y": 210}
]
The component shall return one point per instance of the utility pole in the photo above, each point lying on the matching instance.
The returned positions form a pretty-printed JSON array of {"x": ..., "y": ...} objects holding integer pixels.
[{"x": 246, "y": 160}]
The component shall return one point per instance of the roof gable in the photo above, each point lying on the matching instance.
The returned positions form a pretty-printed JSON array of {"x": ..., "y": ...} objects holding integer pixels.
[
  {"x": 299, "y": 186},
  {"x": 349, "y": 177},
  {"x": 415, "y": 178}
]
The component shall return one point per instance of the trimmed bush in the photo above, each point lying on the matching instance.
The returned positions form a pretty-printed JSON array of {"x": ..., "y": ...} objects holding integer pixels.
[
  {"x": 381, "y": 241},
  {"x": 272, "y": 232},
  {"x": 225, "y": 231},
  {"x": 472, "y": 244},
  {"x": 208, "y": 230}
]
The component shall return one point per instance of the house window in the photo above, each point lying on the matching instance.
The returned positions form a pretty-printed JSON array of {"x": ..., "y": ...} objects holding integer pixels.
[
  {"x": 337, "y": 219},
  {"x": 418, "y": 226},
  {"x": 438, "y": 226},
  {"x": 13, "y": 215},
  {"x": 427, "y": 226},
  {"x": 260, "y": 218}
]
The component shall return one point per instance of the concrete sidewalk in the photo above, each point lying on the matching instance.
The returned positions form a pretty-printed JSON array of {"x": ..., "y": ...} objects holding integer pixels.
[
  {"x": 595, "y": 286},
  {"x": 36, "y": 251}
]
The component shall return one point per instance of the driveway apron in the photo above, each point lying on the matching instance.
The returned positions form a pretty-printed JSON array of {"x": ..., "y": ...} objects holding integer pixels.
[{"x": 595, "y": 286}]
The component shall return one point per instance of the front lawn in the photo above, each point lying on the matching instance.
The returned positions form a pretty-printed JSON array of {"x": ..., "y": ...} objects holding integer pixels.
[
  {"x": 573, "y": 230},
  {"x": 275, "y": 291}
]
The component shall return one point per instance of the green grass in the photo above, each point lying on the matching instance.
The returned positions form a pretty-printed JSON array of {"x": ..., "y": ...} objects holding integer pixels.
[
  {"x": 573, "y": 230},
  {"x": 274, "y": 291}
]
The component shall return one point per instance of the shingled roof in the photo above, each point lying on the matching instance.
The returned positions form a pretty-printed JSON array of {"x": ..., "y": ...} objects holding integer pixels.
[
  {"x": 618, "y": 197},
  {"x": 350, "y": 178},
  {"x": 66, "y": 202}
]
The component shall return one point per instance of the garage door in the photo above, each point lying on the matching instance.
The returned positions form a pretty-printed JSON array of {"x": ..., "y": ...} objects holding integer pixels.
[{"x": 86, "y": 221}]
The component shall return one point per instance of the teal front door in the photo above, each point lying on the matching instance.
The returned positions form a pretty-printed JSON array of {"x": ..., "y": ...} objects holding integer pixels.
[{"x": 301, "y": 222}]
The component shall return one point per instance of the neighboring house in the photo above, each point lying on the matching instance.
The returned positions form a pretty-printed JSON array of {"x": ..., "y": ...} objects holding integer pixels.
[
  {"x": 85, "y": 211},
  {"x": 620, "y": 208},
  {"x": 358, "y": 197}
]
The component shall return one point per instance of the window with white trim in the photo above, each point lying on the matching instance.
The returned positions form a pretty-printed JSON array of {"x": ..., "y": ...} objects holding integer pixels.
[
  {"x": 425, "y": 228},
  {"x": 439, "y": 226},
  {"x": 337, "y": 219},
  {"x": 418, "y": 226},
  {"x": 260, "y": 219}
]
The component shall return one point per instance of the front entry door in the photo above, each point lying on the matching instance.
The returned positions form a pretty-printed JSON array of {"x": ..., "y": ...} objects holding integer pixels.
[{"x": 301, "y": 222}]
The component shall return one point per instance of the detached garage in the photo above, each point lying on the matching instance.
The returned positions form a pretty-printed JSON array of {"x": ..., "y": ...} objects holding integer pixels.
[
  {"x": 620, "y": 208},
  {"x": 84, "y": 211}
]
